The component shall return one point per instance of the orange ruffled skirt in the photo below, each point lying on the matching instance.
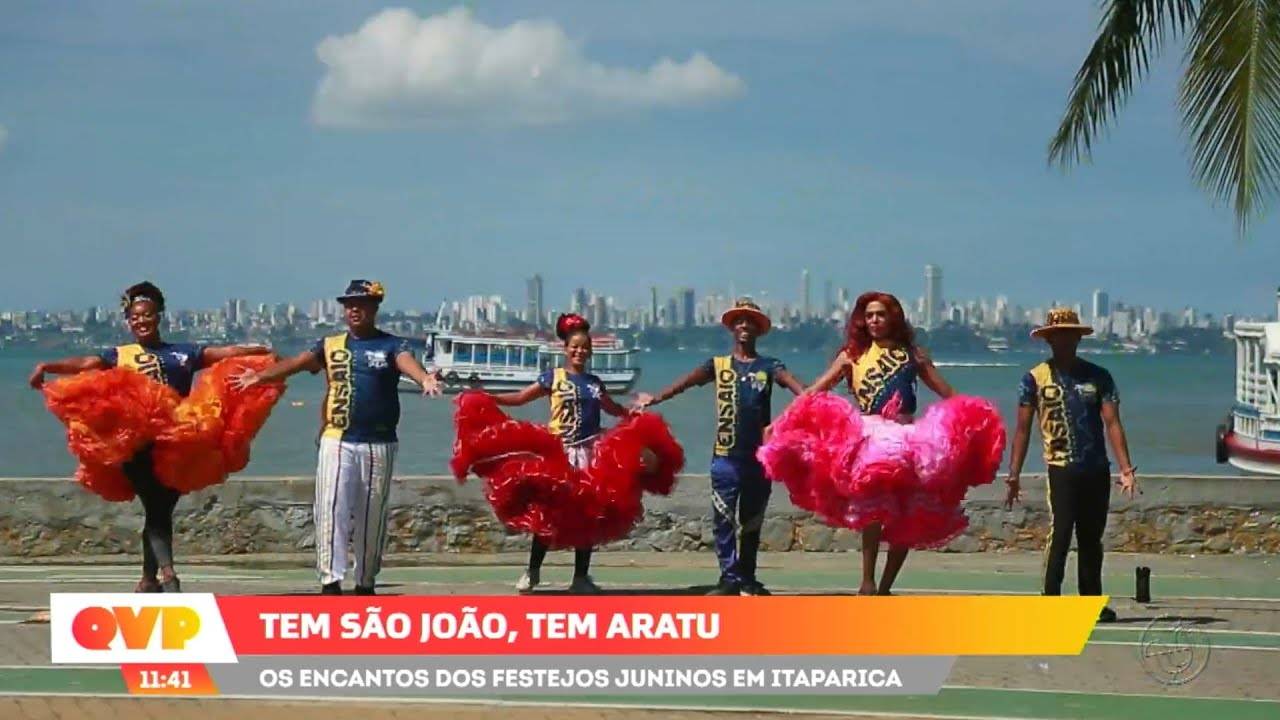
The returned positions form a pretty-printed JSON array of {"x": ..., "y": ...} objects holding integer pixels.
[{"x": 195, "y": 442}]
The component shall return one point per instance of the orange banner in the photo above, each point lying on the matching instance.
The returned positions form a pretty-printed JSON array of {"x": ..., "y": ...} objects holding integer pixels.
[{"x": 809, "y": 625}]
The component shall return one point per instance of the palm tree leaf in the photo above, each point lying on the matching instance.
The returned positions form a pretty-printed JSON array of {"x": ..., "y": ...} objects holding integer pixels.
[
  {"x": 1129, "y": 36},
  {"x": 1230, "y": 98}
]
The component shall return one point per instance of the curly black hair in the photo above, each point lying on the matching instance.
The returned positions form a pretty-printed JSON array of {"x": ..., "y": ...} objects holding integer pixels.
[{"x": 142, "y": 291}]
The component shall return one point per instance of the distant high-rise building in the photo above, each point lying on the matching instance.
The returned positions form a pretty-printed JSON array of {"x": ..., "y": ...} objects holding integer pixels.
[
  {"x": 533, "y": 301},
  {"x": 653, "y": 305},
  {"x": 1189, "y": 317},
  {"x": 828, "y": 300},
  {"x": 1101, "y": 304},
  {"x": 804, "y": 295},
  {"x": 688, "y": 309},
  {"x": 671, "y": 319},
  {"x": 578, "y": 304},
  {"x": 1001, "y": 314},
  {"x": 237, "y": 312},
  {"x": 1151, "y": 321},
  {"x": 844, "y": 300},
  {"x": 1122, "y": 324},
  {"x": 932, "y": 295},
  {"x": 599, "y": 311},
  {"x": 1229, "y": 322}
]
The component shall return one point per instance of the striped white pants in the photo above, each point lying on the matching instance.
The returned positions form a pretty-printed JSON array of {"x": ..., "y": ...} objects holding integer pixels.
[{"x": 353, "y": 490}]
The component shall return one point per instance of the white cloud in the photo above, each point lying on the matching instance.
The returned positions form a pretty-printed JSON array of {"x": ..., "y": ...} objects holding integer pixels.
[{"x": 400, "y": 70}]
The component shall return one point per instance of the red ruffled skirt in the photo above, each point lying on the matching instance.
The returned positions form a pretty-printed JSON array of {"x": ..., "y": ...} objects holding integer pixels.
[
  {"x": 855, "y": 471},
  {"x": 534, "y": 488},
  {"x": 195, "y": 442}
]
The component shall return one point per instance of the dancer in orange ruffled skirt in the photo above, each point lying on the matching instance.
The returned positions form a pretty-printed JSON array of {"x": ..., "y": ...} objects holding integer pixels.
[{"x": 134, "y": 433}]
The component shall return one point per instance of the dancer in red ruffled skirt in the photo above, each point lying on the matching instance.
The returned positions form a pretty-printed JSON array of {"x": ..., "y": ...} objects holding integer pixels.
[
  {"x": 138, "y": 427},
  {"x": 568, "y": 484},
  {"x": 869, "y": 467}
]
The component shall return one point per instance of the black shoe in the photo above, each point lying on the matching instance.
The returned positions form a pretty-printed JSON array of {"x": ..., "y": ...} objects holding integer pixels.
[
  {"x": 333, "y": 588},
  {"x": 148, "y": 585},
  {"x": 754, "y": 588},
  {"x": 726, "y": 587},
  {"x": 362, "y": 590},
  {"x": 1107, "y": 615},
  {"x": 170, "y": 583}
]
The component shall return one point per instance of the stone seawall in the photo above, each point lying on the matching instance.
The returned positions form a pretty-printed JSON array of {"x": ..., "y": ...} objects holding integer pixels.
[{"x": 46, "y": 517}]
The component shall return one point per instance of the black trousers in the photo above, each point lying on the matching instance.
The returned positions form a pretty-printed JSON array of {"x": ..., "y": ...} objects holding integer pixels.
[
  {"x": 158, "y": 503},
  {"x": 1078, "y": 501},
  {"x": 581, "y": 558}
]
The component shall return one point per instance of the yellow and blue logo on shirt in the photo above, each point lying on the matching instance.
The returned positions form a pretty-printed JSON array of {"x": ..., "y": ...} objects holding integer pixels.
[
  {"x": 362, "y": 403},
  {"x": 879, "y": 374},
  {"x": 1069, "y": 404}
]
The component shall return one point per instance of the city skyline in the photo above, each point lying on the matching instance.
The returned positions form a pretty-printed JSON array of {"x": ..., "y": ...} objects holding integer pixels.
[
  {"x": 684, "y": 308},
  {"x": 928, "y": 307},
  {"x": 217, "y": 151}
]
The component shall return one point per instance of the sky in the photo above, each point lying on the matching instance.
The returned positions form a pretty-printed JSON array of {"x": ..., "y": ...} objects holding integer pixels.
[{"x": 272, "y": 150}]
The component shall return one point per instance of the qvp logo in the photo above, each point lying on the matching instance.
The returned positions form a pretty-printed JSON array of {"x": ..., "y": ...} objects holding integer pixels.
[
  {"x": 127, "y": 628},
  {"x": 97, "y": 627}
]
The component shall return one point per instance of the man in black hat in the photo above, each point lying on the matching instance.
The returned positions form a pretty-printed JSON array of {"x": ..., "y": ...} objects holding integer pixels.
[
  {"x": 739, "y": 489},
  {"x": 358, "y": 445},
  {"x": 1079, "y": 411}
]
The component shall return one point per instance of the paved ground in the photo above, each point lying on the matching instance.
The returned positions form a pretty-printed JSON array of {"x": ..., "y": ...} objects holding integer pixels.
[{"x": 1231, "y": 602}]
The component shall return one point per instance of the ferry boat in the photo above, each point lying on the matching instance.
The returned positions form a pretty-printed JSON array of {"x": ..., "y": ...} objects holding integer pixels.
[
  {"x": 1250, "y": 437},
  {"x": 501, "y": 364}
]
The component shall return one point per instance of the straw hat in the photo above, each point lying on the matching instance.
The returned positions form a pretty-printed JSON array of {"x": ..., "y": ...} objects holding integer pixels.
[
  {"x": 749, "y": 309},
  {"x": 1062, "y": 319}
]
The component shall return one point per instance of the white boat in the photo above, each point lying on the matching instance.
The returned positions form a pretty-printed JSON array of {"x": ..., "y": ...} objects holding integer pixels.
[
  {"x": 1250, "y": 438},
  {"x": 499, "y": 364}
]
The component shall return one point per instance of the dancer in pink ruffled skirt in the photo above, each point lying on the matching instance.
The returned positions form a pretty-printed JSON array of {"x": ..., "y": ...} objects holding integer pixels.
[{"x": 870, "y": 467}]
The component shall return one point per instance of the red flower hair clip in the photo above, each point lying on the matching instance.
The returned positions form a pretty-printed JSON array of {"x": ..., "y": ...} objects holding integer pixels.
[{"x": 569, "y": 324}]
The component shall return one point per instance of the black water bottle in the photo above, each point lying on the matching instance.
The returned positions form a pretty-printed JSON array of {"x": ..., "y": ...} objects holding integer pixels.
[{"x": 1143, "y": 591}]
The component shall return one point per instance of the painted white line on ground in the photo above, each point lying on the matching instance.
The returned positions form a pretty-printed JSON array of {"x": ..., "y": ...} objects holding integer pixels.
[
  {"x": 276, "y": 699},
  {"x": 1252, "y": 648},
  {"x": 85, "y": 579},
  {"x": 1214, "y": 631},
  {"x": 58, "y": 667},
  {"x": 1108, "y": 694},
  {"x": 947, "y": 591},
  {"x": 1240, "y": 599}
]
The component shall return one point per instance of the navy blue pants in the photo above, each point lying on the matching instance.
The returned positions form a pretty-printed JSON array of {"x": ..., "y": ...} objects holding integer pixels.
[{"x": 739, "y": 494}]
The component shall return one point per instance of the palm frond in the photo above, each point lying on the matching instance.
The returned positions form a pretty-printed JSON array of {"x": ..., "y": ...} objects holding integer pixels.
[
  {"x": 1230, "y": 99},
  {"x": 1129, "y": 36}
]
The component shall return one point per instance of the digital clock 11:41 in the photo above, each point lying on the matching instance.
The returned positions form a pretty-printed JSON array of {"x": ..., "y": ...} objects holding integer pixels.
[{"x": 159, "y": 680}]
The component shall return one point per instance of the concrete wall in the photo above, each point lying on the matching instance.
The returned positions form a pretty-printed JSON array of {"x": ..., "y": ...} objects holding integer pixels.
[{"x": 45, "y": 517}]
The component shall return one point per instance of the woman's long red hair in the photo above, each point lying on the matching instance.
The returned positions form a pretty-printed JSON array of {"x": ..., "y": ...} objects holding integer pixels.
[{"x": 858, "y": 337}]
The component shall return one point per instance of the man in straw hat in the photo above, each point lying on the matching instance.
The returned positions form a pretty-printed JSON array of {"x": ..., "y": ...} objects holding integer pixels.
[
  {"x": 739, "y": 489},
  {"x": 357, "y": 448},
  {"x": 1079, "y": 411}
]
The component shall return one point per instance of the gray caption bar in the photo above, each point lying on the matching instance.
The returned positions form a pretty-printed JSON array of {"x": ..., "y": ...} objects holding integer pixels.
[{"x": 476, "y": 676}]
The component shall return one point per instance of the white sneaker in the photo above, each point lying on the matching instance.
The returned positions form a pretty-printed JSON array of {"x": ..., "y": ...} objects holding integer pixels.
[
  {"x": 528, "y": 581},
  {"x": 584, "y": 586}
]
